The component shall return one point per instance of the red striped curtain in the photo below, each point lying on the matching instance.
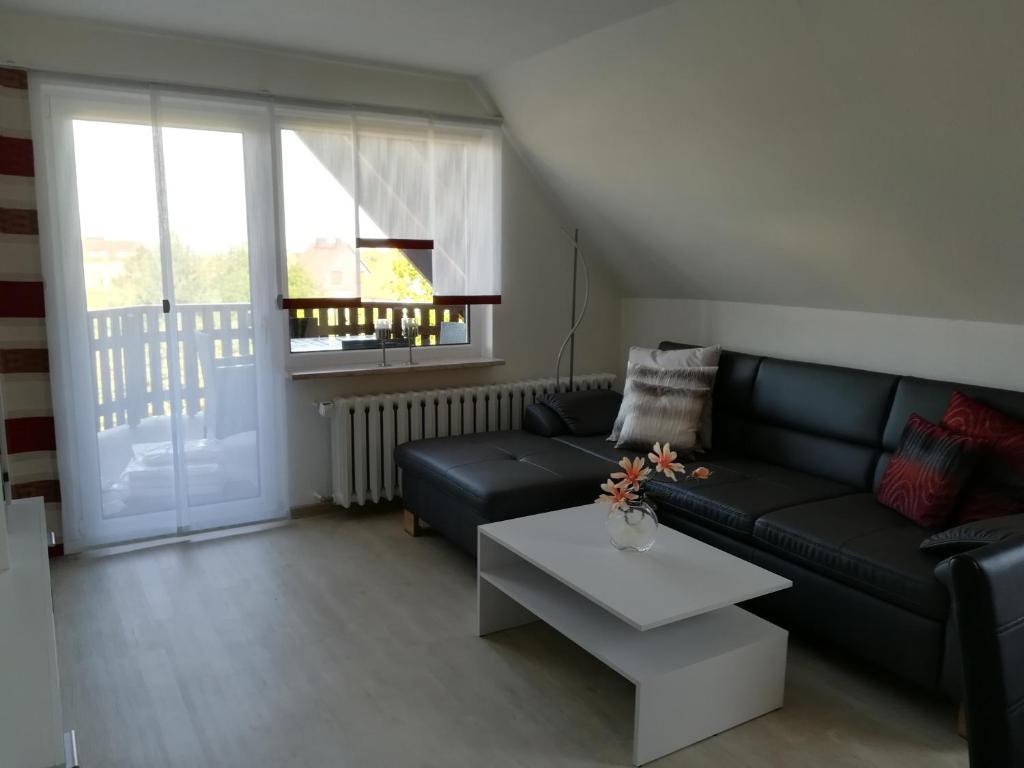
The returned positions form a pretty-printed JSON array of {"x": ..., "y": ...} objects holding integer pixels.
[{"x": 29, "y": 444}]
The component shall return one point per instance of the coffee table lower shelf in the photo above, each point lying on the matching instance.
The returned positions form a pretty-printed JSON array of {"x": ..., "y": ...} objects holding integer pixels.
[{"x": 694, "y": 678}]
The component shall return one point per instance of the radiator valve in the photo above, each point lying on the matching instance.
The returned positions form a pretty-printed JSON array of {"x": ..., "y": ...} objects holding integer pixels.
[{"x": 325, "y": 408}]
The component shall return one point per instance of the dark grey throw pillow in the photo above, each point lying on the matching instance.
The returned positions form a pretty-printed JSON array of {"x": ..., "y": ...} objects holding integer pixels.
[
  {"x": 975, "y": 534},
  {"x": 541, "y": 419},
  {"x": 591, "y": 412}
]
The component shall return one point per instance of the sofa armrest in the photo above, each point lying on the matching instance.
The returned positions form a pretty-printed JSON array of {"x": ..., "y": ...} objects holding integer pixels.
[
  {"x": 943, "y": 571},
  {"x": 990, "y": 616},
  {"x": 975, "y": 534},
  {"x": 952, "y": 680},
  {"x": 540, "y": 419}
]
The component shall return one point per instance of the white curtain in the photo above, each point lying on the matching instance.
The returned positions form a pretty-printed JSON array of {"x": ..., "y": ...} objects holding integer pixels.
[
  {"x": 318, "y": 212},
  {"x": 414, "y": 179},
  {"x": 158, "y": 241},
  {"x": 394, "y": 178},
  {"x": 465, "y": 178}
]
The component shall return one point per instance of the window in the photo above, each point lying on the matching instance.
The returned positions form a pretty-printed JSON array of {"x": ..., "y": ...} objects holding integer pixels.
[
  {"x": 386, "y": 219},
  {"x": 375, "y": 218}
]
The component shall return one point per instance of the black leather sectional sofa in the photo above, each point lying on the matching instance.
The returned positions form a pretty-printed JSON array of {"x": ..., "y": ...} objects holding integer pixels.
[{"x": 797, "y": 451}]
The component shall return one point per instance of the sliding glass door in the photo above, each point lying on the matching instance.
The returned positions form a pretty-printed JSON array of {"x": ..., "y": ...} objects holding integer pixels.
[{"x": 165, "y": 298}]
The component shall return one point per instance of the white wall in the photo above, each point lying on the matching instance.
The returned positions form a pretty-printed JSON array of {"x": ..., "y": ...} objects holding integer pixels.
[{"x": 988, "y": 354}]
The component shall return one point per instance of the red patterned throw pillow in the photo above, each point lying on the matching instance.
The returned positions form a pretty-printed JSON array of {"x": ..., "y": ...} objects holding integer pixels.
[
  {"x": 927, "y": 473},
  {"x": 997, "y": 487}
]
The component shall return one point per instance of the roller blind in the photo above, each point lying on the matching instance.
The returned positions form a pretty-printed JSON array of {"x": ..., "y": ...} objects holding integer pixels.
[{"x": 384, "y": 208}]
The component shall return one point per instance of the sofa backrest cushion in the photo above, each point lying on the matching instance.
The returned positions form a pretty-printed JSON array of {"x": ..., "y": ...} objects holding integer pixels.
[
  {"x": 837, "y": 460},
  {"x": 840, "y": 403},
  {"x": 730, "y": 400},
  {"x": 820, "y": 419},
  {"x": 735, "y": 381}
]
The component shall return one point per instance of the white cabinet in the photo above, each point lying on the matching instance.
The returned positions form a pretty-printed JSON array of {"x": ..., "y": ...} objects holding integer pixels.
[{"x": 31, "y": 728}]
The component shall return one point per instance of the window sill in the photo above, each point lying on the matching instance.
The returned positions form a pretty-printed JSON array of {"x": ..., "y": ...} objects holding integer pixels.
[{"x": 374, "y": 369}]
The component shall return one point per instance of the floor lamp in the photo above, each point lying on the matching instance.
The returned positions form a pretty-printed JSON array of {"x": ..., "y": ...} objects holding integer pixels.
[{"x": 578, "y": 260}]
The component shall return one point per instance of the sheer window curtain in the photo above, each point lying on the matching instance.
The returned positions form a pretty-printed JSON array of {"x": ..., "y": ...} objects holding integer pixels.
[
  {"x": 424, "y": 179},
  {"x": 413, "y": 179},
  {"x": 466, "y": 184},
  {"x": 168, "y": 416}
]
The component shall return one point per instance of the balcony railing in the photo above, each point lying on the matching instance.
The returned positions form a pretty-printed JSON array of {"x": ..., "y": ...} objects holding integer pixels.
[
  {"x": 129, "y": 348},
  {"x": 359, "y": 321}
]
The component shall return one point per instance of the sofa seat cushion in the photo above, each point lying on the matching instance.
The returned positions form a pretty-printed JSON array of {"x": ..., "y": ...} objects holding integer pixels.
[
  {"x": 597, "y": 445},
  {"x": 739, "y": 491},
  {"x": 857, "y": 540},
  {"x": 507, "y": 474}
]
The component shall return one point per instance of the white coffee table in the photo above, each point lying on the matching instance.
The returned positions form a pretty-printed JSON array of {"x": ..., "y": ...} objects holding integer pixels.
[{"x": 666, "y": 619}]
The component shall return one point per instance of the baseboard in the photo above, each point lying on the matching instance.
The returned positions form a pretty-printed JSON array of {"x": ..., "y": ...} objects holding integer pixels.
[{"x": 311, "y": 510}]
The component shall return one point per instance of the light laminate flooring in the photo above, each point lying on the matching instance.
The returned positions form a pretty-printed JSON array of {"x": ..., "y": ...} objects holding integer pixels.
[{"x": 339, "y": 641}]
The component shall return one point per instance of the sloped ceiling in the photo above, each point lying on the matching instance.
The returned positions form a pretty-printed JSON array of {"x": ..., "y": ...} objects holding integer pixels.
[{"x": 862, "y": 155}]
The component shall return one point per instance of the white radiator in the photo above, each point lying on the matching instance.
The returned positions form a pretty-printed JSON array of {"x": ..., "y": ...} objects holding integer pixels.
[{"x": 366, "y": 430}]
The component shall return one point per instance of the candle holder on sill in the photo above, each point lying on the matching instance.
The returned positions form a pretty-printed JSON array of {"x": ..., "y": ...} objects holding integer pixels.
[
  {"x": 382, "y": 328},
  {"x": 411, "y": 329}
]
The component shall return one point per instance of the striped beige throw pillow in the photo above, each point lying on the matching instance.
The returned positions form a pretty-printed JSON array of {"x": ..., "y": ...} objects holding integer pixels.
[
  {"x": 665, "y": 405},
  {"x": 653, "y": 367}
]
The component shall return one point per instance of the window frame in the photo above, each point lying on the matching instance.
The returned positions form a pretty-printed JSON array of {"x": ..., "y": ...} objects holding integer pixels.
[{"x": 479, "y": 346}]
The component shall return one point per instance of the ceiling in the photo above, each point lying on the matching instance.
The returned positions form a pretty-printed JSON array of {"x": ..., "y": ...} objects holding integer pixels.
[
  {"x": 459, "y": 36},
  {"x": 848, "y": 155}
]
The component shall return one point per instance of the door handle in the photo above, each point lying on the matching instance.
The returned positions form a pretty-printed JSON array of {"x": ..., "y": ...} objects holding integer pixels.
[{"x": 167, "y": 307}]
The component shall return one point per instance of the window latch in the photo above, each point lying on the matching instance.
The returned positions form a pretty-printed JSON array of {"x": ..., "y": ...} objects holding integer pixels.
[{"x": 167, "y": 307}]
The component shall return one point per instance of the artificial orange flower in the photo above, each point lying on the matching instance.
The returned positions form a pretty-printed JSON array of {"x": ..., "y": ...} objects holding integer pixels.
[
  {"x": 616, "y": 494},
  {"x": 664, "y": 459},
  {"x": 701, "y": 473},
  {"x": 634, "y": 474}
]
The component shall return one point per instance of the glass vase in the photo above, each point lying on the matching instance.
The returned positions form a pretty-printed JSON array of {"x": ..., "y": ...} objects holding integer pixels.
[{"x": 633, "y": 526}]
